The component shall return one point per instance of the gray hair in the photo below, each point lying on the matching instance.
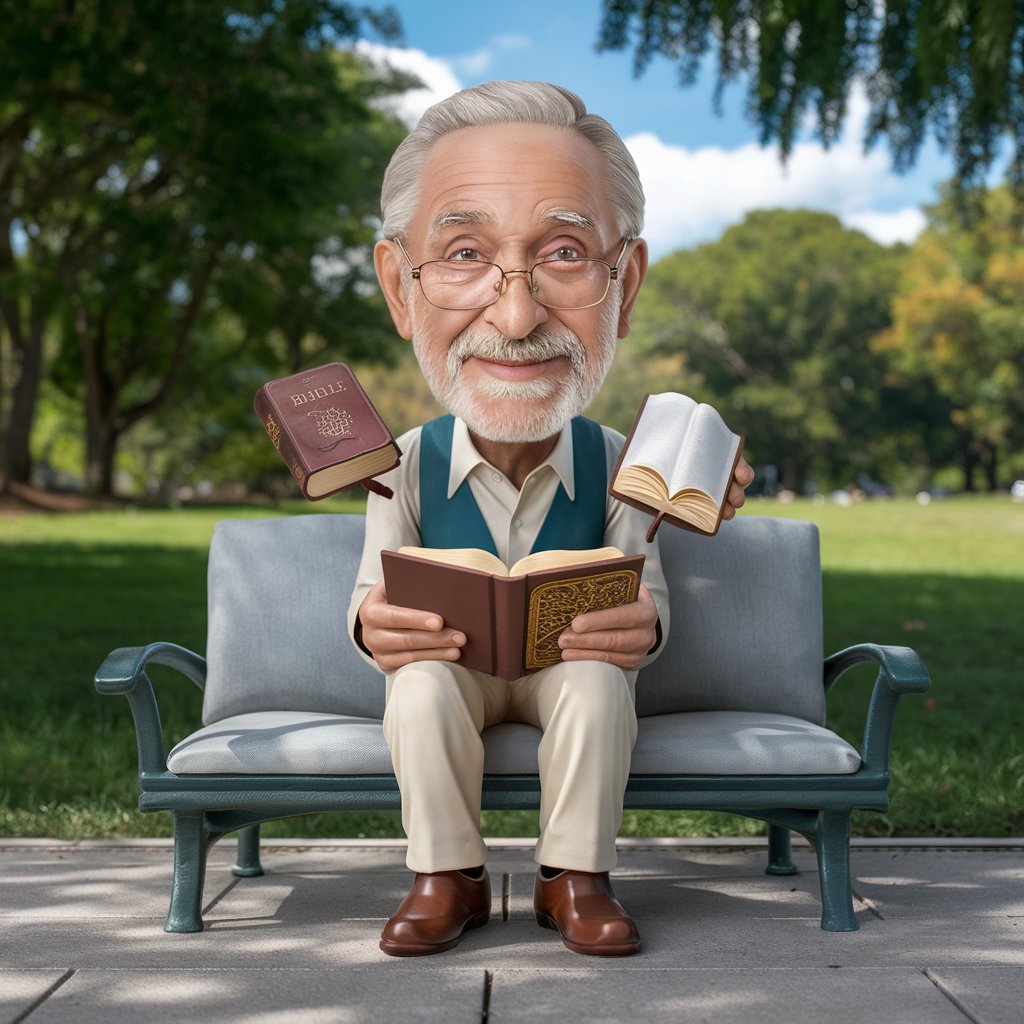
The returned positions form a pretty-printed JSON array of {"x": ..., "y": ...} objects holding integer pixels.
[{"x": 505, "y": 103}]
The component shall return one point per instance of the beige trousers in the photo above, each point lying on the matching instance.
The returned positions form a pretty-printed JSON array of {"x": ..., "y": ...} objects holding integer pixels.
[{"x": 435, "y": 714}]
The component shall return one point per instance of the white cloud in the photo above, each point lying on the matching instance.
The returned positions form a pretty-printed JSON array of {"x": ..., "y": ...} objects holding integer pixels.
[
  {"x": 473, "y": 65},
  {"x": 437, "y": 76},
  {"x": 512, "y": 41},
  {"x": 899, "y": 226},
  {"x": 693, "y": 195}
]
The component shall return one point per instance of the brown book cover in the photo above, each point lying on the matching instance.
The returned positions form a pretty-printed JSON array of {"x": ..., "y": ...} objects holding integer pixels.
[
  {"x": 512, "y": 623},
  {"x": 677, "y": 463},
  {"x": 326, "y": 429}
]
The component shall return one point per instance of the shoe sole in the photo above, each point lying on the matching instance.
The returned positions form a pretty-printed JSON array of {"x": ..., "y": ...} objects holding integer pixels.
[
  {"x": 426, "y": 949},
  {"x": 624, "y": 949}
]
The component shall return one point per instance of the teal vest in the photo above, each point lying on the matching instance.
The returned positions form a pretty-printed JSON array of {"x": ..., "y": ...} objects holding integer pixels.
[{"x": 457, "y": 522}]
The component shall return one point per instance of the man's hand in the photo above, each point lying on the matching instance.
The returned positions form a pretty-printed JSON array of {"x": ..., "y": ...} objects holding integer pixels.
[
  {"x": 742, "y": 479},
  {"x": 622, "y": 636},
  {"x": 396, "y": 636}
]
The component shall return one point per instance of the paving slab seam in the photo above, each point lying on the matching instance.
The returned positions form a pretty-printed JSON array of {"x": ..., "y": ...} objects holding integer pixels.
[
  {"x": 485, "y": 1009},
  {"x": 966, "y": 1010},
  {"x": 39, "y": 1000},
  {"x": 503, "y": 968},
  {"x": 631, "y": 844}
]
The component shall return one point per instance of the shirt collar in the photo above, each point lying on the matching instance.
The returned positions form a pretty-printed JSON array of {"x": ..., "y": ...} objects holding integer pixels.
[{"x": 465, "y": 458}]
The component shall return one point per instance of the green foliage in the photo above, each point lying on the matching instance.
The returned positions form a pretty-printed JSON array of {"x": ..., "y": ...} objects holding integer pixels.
[
  {"x": 181, "y": 185},
  {"x": 957, "y": 328},
  {"x": 772, "y": 324},
  {"x": 935, "y": 577},
  {"x": 947, "y": 67}
]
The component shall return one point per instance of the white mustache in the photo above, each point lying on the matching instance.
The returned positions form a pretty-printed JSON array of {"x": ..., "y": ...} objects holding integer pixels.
[{"x": 537, "y": 347}]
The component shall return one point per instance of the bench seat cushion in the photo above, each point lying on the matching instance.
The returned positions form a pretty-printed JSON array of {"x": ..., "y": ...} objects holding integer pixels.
[{"x": 686, "y": 743}]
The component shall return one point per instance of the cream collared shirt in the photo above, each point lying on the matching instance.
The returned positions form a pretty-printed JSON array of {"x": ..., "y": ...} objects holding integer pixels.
[{"x": 514, "y": 517}]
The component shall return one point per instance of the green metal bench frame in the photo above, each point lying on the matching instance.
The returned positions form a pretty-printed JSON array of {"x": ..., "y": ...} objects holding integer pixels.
[
  {"x": 760, "y": 574},
  {"x": 208, "y": 807}
]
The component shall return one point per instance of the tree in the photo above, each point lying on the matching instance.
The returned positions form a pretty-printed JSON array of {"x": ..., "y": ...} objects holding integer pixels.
[
  {"x": 957, "y": 328},
  {"x": 772, "y": 324},
  {"x": 162, "y": 163},
  {"x": 950, "y": 67}
]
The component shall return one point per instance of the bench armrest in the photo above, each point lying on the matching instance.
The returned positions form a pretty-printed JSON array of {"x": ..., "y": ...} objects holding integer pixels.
[
  {"x": 124, "y": 672},
  {"x": 122, "y": 668},
  {"x": 900, "y": 671}
]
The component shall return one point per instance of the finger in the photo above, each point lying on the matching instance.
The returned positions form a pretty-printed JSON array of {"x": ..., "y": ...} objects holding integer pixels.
[
  {"x": 395, "y": 660},
  {"x": 626, "y": 660},
  {"x": 609, "y": 640},
  {"x": 636, "y": 614},
  {"x": 393, "y": 616},
  {"x": 737, "y": 497},
  {"x": 398, "y": 640}
]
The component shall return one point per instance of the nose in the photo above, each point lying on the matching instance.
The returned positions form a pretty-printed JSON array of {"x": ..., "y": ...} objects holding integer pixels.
[{"x": 516, "y": 312}]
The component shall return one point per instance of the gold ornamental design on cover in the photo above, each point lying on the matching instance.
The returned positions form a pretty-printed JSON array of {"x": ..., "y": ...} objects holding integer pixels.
[
  {"x": 333, "y": 424},
  {"x": 273, "y": 432},
  {"x": 554, "y": 605}
]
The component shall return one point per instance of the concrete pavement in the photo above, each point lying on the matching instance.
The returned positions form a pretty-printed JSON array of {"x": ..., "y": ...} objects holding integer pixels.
[{"x": 941, "y": 939}]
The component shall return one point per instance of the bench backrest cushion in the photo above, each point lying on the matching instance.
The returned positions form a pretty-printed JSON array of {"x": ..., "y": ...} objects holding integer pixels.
[
  {"x": 277, "y": 633},
  {"x": 745, "y": 620}
]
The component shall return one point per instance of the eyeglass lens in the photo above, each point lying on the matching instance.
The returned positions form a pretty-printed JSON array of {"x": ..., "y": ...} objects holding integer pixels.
[{"x": 561, "y": 284}]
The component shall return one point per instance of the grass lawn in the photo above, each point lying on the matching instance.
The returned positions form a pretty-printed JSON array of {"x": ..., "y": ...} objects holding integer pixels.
[{"x": 946, "y": 579}]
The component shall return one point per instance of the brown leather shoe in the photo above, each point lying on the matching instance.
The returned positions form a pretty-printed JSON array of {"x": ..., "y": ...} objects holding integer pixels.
[
  {"x": 582, "y": 908},
  {"x": 437, "y": 910}
]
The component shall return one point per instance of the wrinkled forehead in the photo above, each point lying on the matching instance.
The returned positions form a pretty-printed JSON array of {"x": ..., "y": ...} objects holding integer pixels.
[{"x": 511, "y": 176}]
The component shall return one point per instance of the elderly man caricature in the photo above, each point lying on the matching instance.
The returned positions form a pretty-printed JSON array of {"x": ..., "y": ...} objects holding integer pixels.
[{"x": 512, "y": 260}]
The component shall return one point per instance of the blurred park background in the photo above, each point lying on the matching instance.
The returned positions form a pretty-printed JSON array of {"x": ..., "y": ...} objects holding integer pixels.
[{"x": 189, "y": 200}]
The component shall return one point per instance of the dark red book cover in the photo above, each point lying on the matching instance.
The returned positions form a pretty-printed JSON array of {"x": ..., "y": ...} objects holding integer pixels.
[
  {"x": 326, "y": 429},
  {"x": 512, "y": 623}
]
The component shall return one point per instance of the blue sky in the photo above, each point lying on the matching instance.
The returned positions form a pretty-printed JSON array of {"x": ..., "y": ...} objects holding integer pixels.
[{"x": 701, "y": 172}]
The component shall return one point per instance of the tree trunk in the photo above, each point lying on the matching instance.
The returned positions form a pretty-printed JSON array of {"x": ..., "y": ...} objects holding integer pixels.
[
  {"x": 970, "y": 463},
  {"x": 27, "y": 350},
  {"x": 100, "y": 449},
  {"x": 990, "y": 464},
  {"x": 100, "y": 407},
  {"x": 792, "y": 475}
]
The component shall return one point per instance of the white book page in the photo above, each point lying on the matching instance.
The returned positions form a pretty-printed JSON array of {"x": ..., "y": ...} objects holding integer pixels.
[
  {"x": 660, "y": 434},
  {"x": 705, "y": 459}
]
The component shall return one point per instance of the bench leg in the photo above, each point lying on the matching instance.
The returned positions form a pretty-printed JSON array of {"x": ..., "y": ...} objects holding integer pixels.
[
  {"x": 832, "y": 845},
  {"x": 248, "y": 860},
  {"x": 191, "y": 843},
  {"x": 780, "y": 857}
]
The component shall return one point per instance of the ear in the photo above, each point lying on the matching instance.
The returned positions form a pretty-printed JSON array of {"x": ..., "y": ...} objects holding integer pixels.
[
  {"x": 632, "y": 272},
  {"x": 388, "y": 264}
]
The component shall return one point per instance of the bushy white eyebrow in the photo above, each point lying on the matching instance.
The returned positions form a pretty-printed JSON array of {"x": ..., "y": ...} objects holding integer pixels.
[
  {"x": 567, "y": 216},
  {"x": 456, "y": 218},
  {"x": 453, "y": 218}
]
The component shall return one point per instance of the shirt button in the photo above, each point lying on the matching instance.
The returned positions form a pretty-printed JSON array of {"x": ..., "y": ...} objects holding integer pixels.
[
  {"x": 517, "y": 523},
  {"x": 495, "y": 477}
]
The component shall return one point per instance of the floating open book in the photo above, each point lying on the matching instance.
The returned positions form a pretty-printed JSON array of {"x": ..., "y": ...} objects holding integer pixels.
[
  {"x": 677, "y": 463},
  {"x": 513, "y": 617}
]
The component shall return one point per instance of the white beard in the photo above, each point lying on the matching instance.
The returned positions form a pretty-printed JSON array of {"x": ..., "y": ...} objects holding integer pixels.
[{"x": 517, "y": 412}]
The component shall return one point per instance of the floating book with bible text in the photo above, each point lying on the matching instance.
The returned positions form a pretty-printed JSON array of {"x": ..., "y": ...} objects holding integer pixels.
[
  {"x": 327, "y": 431},
  {"x": 677, "y": 463}
]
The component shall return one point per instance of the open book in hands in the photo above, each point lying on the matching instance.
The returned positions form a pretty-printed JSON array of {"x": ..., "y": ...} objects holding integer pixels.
[
  {"x": 677, "y": 463},
  {"x": 512, "y": 617}
]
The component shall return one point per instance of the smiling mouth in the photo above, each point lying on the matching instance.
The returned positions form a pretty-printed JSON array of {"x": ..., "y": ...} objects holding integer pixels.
[{"x": 506, "y": 369}]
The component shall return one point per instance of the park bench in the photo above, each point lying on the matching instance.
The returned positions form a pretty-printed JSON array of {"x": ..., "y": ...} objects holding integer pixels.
[{"x": 732, "y": 713}]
